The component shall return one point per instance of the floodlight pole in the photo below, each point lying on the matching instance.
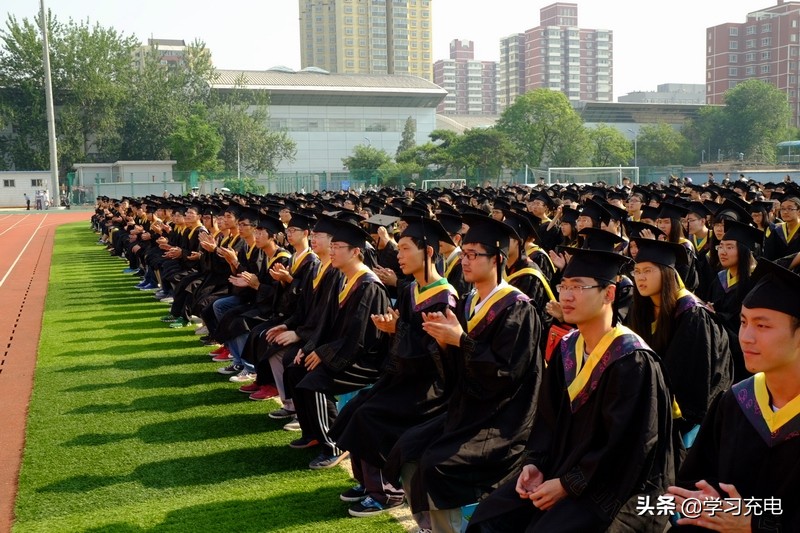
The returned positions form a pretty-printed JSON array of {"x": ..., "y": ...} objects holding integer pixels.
[{"x": 51, "y": 120}]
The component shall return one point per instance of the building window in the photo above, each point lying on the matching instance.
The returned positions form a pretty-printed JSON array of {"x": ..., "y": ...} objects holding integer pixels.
[
  {"x": 766, "y": 28},
  {"x": 751, "y": 43},
  {"x": 731, "y": 84},
  {"x": 766, "y": 41},
  {"x": 750, "y": 56},
  {"x": 37, "y": 183},
  {"x": 733, "y": 71},
  {"x": 733, "y": 58},
  {"x": 751, "y": 30},
  {"x": 764, "y": 69},
  {"x": 733, "y": 45},
  {"x": 766, "y": 55},
  {"x": 750, "y": 71},
  {"x": 792, "y": 79},
  {"x": 734, "y": 32},
  {"x": 9, "y": 183}
]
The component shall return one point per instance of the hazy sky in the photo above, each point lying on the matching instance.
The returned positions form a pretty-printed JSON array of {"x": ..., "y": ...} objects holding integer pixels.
[{"x": 654, "y": 41}]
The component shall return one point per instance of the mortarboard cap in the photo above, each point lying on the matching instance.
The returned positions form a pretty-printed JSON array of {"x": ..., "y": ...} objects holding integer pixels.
[
  {"x": 635, "y": 229},
  {"x": 302, "y": 221},
  {"x": 451, "y": 223},
  {"x": 748, "y": 235},
  {"x": 272, "y": 225},
  {"x": 599, "y": 239},
  {"x": 595, "y": 264},
  {"x": 774, "y": 287},
  {"x": 352, "y": 234},
  {"x": 427, "y": 230},
  {"x": 665, "y": 253}
]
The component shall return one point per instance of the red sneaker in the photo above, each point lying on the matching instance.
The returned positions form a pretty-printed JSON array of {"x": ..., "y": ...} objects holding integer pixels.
[
  {"x": 221, "y": 350},
  {"x": 222, "y": 358},
  {"x": 265, "y": 392},
  {"x": 250, "y": 388}
]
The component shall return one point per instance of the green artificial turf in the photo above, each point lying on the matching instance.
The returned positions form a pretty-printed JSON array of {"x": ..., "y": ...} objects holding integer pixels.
[{"x": 131, "y": 429}]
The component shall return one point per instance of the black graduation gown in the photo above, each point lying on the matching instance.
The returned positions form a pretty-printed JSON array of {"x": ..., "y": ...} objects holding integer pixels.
[
  {"x": 263, "y": 307},
  {"x": 454, "y": 272},
  {"x": 478, "y": 443},
  {"x": 728, "y": 307},
  {"x": 347, "y": 337},
  {"x": 697, "y": 361},
  {"x": 735, "y": 446},
  {"x": 526, "y": 276},
  {"x": 606, "y": 446},
  {"x": 410, "y": 391},
  {"x": 780, "y": 243}
]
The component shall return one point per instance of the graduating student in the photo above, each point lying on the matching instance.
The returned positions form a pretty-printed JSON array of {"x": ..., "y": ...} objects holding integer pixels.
[
  {"x": 451, "y": 252},
  {"x": 785, "y": 239},
  {"x": 749, "y": 444},
  {"x": 491, "y": 348},
  {"x": 412, "y": 389},
  {"x": 738, "y": 250},
  {"x": 670, "y": 222},
  {"x": 520, "y": 270},
  {"x": 347, "y": 351},
  {"x": 690, "y": 340},
  {"x": 602, "y": 435},
  {"x": 276, "y": 348}
]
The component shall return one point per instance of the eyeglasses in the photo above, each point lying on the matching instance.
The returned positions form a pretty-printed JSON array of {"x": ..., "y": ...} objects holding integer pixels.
[
  {"x": 690, "y": 220},
  {"x": 291, "y": 229},
  {"x": 644, "y": 271},
  {"x": 472, "y": 256},
  {"x": 725, "y": 247},
  {"x": 341, "y": 247},
  {"x": 569, "y": 289},
  {"x": 788, "y": 209}
]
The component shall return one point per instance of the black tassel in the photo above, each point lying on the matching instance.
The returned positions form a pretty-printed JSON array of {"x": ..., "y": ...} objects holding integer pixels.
[{"x": 425, "y": 252}]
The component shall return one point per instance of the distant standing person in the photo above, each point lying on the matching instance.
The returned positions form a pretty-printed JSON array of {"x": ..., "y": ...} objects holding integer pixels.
[{"x": 27, "y": 202}]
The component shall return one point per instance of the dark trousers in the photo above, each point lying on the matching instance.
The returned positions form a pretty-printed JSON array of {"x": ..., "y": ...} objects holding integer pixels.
[{"x": 372, "y": 478}]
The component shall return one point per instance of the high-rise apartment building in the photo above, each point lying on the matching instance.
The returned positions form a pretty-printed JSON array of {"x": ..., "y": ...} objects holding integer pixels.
[
  {"x": 471, "y": 85},
  {"x": 170, "y": 52},
  {"x": 765, "y": 47},
  {"x": 367, "y": 36},
  {"x": 511, "y": 69},
  {"x": 557, "y": 55}
]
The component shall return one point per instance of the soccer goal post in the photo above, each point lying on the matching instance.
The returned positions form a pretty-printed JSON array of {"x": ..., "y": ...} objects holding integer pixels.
[
  {"x": 588, "y": 175},
  {"x": 443, "y": 183}
]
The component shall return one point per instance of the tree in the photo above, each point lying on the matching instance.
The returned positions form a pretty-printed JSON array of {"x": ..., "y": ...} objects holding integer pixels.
[
  {"x": 366, "y": 158},
  {"x": 242, "y": 118},
  {"x": 159, "y": 97},
  {"x": 195, "y": 144},
  {"x": 91, "y": 67},
  {"x": 485, "y": 149},
  {"x": 544, "y": 128},
  {"x": 407, "y": 141},
  {"x": 610, "y": 148},
  {"x": 661, "y": 145},
  {"x": 756, "y": 115}
]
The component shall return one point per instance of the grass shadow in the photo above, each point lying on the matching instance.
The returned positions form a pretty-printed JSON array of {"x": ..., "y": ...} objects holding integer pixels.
[{"x": 192, "y": 471}]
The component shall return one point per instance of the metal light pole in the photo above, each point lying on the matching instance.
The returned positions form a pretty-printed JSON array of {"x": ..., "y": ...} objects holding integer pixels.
[
  {"x": 51, "y": 120},
  {"x": 635, "y": 147}
]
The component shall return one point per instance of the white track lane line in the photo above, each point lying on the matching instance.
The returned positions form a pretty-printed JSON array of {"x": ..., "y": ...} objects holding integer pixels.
[
  {"x": 14, "y": 224},
  {"x": 11, "y": 268}
]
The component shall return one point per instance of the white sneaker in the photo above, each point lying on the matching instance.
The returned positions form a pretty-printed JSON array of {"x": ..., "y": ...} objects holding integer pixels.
[
  {"x": 202, "y": 330},
  {"x": 294, "y": 425},
  {"x": 244, "y": 376}
]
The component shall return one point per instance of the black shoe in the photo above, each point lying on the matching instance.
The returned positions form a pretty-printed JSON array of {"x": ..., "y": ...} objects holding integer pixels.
[{"x": 354, "y": 494}]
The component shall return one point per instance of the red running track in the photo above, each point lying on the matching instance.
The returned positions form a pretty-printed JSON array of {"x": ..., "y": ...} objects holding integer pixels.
[{"x": 26, "y": 246}]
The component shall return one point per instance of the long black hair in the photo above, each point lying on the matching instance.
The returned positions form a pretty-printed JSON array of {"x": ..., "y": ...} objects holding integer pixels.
[{"x": 643, "y": 314}]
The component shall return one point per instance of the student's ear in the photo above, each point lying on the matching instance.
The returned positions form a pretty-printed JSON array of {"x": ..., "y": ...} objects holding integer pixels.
[{"x": 611, "y": 293}]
